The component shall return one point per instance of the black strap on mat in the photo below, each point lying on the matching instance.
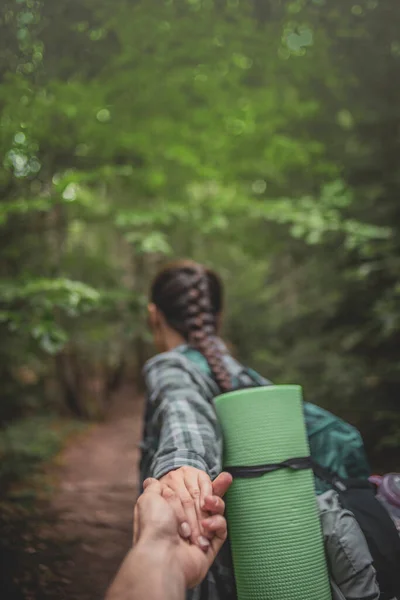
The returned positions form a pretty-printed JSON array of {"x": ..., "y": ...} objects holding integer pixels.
[{"x": 296, "y": 464}]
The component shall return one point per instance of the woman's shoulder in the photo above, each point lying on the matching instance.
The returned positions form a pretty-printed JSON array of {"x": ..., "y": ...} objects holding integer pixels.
[
  {"x": 166, "y": 364},
  {"x": 176, "y": 369},
  {"x": 164, "y": 372},
  {"x": 165, "y": 360}
]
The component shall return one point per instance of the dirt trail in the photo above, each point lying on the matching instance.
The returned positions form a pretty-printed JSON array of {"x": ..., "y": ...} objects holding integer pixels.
[{"x": 98, "y": 487}]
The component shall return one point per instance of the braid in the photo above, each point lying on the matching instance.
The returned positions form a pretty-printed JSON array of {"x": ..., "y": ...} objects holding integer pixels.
[
  {"x": 190, "y": 298},
  {"x": 200, "y": 325}
]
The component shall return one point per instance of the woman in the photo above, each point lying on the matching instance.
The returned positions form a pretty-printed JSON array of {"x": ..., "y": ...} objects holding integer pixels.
[{"x": 182, "y": 441}]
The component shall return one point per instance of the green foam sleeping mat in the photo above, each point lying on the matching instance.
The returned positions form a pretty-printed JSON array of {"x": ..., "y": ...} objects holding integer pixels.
[{"x": 273, "y": 519}]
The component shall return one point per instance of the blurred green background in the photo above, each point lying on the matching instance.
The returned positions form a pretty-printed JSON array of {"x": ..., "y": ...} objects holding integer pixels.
[{"x": 261, "y": 137}]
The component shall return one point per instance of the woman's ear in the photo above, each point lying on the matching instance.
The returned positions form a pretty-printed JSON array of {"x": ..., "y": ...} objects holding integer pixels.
[
  {"x": 219, "y": 322},
  {"x": 152, "y": 315},
  {"x": 157, "y": 325}
]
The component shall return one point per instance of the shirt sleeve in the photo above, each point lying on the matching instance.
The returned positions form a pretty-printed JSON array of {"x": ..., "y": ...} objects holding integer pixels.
[{"x": 184, "y": 420}]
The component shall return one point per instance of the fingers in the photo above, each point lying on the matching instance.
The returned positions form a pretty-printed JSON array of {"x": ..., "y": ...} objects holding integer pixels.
[
  {"x": 136, "y": 531},
  {"x": 217, "y": 526},
  {"x": 156, "y": 513},
  {"x": 175, "y": 502},
  {"x": 152, "y": 485},
  {"x": 191, "y": 486},
  {"x": 199, "y": 486},
  {"x": 221, "y": 484},
  {"x": 205, "y": 486},
  {"x": 177, "y": 482},
  {"x": 214, "y": 505}
]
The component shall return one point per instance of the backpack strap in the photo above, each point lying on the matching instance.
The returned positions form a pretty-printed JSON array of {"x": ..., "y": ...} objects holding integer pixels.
[{"x": 248, "y": 378}]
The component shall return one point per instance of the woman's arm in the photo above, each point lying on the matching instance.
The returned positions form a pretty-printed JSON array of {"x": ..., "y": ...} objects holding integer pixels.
[
  {"x": 184, "y": 419},
  {"x": 189, "y": 452}
]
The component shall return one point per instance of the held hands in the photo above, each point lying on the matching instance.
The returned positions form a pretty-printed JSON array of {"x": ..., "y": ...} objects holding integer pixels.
[
  {"x": 193, "y": 497},
  {"x": 157, "y": 526}
]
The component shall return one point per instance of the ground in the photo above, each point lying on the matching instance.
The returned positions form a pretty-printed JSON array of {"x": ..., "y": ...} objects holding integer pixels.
[{"x": 84, "y": 529}]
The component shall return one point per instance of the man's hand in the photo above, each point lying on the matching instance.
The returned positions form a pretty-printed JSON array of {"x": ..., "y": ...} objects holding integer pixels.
[
  {"x": 162, "y": 564},
  {"x": 186, "y": 490},
  {"x": 157, "y": 527}
]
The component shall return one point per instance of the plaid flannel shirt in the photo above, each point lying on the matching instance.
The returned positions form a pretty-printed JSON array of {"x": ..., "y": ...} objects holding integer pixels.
[{"x": 181, "y": 429}]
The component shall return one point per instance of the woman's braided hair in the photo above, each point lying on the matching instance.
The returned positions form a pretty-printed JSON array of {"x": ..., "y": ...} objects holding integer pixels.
[{"x": 190, "y": 298}]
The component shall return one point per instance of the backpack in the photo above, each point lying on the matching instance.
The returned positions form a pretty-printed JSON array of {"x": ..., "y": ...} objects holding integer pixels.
[
  {"x": 334, "y": 444},
  {"x": 359, "y": 497},
  {"x": 351, "y": 569}
]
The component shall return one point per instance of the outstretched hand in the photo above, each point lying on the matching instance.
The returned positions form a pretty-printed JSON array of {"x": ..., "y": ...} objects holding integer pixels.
[
  {"x": 188, "y": 490},
  {"x": 156, "y": 525}
]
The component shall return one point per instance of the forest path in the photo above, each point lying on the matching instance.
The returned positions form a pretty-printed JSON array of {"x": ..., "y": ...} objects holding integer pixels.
[{"x": 98, "y": 485}]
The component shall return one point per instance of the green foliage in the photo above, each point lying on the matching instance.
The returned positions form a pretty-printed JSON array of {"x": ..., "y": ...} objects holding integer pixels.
[
  {"x": 37, "y": 438},
  {"x": 30, "y": 308},
  {"x": 249, "y": 135},
  {"x": 27, "y": 443}
]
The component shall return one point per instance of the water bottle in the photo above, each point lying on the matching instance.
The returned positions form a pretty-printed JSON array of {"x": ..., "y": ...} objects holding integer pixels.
[{"x": 389, "y": 494}]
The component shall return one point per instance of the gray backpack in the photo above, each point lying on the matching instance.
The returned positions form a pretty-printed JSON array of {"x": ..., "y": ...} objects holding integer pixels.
[{"x": 350, "y": 563}]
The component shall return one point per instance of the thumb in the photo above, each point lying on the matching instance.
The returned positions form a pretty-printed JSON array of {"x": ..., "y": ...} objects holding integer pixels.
[
  {"x": 221, "y": 484},
  {"x": 135, "y": 525}
]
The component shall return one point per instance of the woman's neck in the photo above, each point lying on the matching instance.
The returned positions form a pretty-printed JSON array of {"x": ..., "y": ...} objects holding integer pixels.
[{"x": 173, "y": 339}]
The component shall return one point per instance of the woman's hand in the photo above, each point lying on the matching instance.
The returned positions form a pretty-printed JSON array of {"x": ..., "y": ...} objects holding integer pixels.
[
  {"x": 186, "y": 490},
  {"x": 191, "y": 493}
]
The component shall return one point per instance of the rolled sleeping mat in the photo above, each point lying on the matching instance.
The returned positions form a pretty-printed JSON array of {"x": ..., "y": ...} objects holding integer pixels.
[{"x": 273, "y": 519}]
